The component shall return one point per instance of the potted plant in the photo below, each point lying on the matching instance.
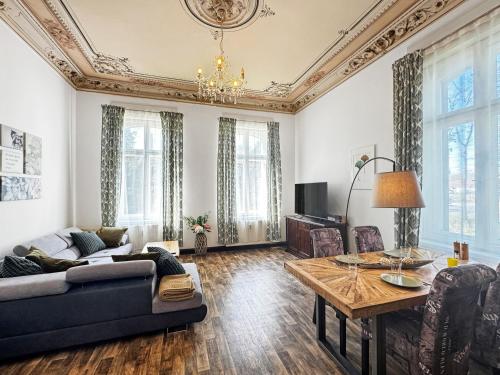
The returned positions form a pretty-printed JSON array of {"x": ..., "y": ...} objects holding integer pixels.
[{"x": 199, "y": 226}]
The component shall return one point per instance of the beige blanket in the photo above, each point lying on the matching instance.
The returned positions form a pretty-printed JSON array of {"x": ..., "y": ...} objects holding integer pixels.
[{"x": 175, "y": 288}]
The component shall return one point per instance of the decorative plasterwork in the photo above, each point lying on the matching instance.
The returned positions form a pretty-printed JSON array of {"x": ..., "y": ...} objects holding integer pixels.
[
  {"x": 281, "y": 90},
  {"x": 381, "y": 44},
  {"x": 230, "y": 14},
  {"x": 111, "y": 65},
  {"x": 266, "y": 11},
  {"x": 46, "y": 26}
]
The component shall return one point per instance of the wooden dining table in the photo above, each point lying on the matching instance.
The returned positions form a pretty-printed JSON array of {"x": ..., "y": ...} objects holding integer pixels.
[{"x": 360, "y": 294}]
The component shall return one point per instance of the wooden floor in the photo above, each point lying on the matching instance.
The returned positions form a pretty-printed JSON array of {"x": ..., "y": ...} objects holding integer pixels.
[{"x": 258, "y": 322}]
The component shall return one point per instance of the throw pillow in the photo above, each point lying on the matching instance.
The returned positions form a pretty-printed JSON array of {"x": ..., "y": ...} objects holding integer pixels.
[
  {"x": 111, "y": 236},
  {"x": 167, "y": 264},
  {"x": 141, "y": 256},
  {"x": 13, "y": 266},
  {"x": 88, "y": 242},
  {"x": 50, "y": 264}
]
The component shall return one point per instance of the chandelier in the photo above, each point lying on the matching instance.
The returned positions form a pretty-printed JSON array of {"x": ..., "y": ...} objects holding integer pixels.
[{"x": 220, "y": 85}]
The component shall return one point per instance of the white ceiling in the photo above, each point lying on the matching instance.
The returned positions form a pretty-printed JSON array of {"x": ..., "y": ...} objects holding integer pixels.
[{"x": 160, "y": 39}]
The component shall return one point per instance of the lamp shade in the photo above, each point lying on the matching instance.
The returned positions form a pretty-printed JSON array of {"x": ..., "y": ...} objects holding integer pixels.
[{"x": 397, "y": 190}]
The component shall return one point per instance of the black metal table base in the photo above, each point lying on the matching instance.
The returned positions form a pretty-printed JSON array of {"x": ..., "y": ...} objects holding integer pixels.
[{"x": 338, "y": 352}]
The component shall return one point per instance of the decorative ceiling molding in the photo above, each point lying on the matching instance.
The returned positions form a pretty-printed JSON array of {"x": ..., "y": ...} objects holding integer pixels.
[
  {"x": 281, "y": 90},
  {"x": 229, "y": 14},
  {"x": 48, "y": 28}
]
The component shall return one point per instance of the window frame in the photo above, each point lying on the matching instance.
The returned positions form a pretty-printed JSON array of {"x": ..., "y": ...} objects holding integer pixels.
[
  {"x": 246, "y": 158},
  {"x": 482, "y": 113},
  {"x": 147, "y": 153}
]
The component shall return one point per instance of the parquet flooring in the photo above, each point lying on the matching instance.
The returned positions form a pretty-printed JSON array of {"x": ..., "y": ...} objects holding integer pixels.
[{"x": 258, "y": 322}]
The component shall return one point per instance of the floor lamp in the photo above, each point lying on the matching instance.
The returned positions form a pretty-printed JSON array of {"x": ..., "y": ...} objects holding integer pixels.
[{"x": 396, "y": 189}]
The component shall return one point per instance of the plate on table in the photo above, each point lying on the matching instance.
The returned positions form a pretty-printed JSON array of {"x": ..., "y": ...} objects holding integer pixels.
[
  {"x": 401, "y": 280},
  {"x": 350, "y": 259},
  {"x": 415, "y": 254}
]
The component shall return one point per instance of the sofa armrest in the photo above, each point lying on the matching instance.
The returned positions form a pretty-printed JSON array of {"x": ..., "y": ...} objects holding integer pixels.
[
  {"x": 110, "y": 271},
  {"x": 30, "y": 286}
]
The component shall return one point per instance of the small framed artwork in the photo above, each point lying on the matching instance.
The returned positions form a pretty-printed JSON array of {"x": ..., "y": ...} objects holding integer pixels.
[
  {"x": 11, "y": 138},
  {"x": 32, "y": 155},
  {"x": 20, "y": 188},
  {"x": 366, "y": 177},
  {"x": 11, "y": 161}
]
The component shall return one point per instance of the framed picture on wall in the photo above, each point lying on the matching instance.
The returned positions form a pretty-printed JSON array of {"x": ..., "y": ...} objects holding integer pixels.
[
  {"x": 32, "y": 154},
  {"x": 11, "y": 138},
  {"x": 366, "y": 177},
  {"x": 11, "y": 160},
  {"x": 20, "y": 188}
]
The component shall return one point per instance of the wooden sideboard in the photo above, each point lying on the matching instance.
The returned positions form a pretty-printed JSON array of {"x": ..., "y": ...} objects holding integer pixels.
[{"x": 299, "y": 242}]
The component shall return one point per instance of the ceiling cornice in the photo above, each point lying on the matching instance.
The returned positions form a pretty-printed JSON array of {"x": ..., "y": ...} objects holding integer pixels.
[{"x": 49, "y": 29}]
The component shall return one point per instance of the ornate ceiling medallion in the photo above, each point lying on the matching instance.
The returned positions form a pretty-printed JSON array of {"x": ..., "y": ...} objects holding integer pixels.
[{"x": 235, "y": 14}]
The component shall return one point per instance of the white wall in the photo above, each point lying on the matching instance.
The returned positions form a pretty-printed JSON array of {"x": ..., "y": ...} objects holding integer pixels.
[
  {"x": 359, "y": 113},
  {"x": 200, "y": 157},
  {"x": 35, "y": 99}
]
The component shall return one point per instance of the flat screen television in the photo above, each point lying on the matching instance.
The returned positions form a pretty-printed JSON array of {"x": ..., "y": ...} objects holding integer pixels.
[{"x": 311, "y": 199}]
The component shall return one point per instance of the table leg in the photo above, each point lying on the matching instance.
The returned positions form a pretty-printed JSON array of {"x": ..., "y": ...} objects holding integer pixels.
[
  {"x": 331, "y": 348},
  {"x": 365, "y": 346},
  {"x": 378, "y": 345},
  {"x": 342, "y": 332},
  {"x": 320, "y": 318}
]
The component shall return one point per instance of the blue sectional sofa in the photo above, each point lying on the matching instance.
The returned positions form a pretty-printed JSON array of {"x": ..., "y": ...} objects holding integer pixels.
[{"x": 86, "y": 304}]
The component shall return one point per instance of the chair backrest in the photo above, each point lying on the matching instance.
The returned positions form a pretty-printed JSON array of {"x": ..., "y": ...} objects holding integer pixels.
[
  {"x": 368, "y": 239},
  {"x": 486, "y": 344},
  {"x": 448, "y": 320},
  {"x": 327, "y": 242}
]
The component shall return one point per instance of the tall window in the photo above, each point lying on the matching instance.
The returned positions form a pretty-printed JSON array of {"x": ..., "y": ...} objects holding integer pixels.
[
  {"x": 461, "y": 179},
  {"x": 141, "y": 193},
  {"x": 251, "y": 176}
]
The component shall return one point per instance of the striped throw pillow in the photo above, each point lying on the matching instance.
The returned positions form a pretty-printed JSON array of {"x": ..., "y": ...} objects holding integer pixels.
[
  {"x": 13, "y": 266},
  {"x": 87, "y": 242}
]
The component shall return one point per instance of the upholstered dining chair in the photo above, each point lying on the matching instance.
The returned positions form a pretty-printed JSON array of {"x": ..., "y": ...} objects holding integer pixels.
[
  {"x": 486, "y": 342},
  {"x": 438, "y": 341},
  {"x": 368, "y": 238},
  {"x": 327, "y": 242}
]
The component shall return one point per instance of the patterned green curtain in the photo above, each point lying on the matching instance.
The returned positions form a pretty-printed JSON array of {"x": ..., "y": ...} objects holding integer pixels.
[
  {"x": 111, "y": 162},
  {"x": 172, "y": 170},
  {"x": 273, "y": 230},
  {"x": 226, "y": 183},
  {"x": 408, "y": 137}
]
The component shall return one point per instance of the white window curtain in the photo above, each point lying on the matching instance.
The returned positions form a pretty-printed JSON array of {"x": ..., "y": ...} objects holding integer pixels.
[
  {"x": 251, "y": 180},
  {"x": 141, "y": 193},
  {"x": 462, "y": 139}
]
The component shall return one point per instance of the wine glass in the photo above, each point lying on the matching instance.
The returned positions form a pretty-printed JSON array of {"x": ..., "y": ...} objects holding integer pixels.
[{"x": 405, "y": 254}]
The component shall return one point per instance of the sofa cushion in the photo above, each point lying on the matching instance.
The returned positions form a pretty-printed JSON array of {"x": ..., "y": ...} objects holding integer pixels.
[
  {"x": 111, "y": 236},
  {"x": 71, "y": 253},
  {"x": 49, "y": 264},
  {"x": 122, "y": 250},
  {"x": 160, "y": 307},
  {"x": 51, "y": 244},
  {"x": 65, "y": 234},
  {"x": 110, "y": 271},
  {"x": 13, "y": 266},
  {"x": 166, "y": 264},
  {"x": 33, "y": 286},
  {"x": 88, "y": 242}
]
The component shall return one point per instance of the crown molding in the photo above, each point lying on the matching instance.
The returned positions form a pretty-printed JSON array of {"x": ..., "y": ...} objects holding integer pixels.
[{"x": 51, "y": 31}]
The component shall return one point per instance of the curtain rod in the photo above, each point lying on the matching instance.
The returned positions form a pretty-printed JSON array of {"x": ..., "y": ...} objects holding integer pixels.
[{"x": 144, "y": 107}]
